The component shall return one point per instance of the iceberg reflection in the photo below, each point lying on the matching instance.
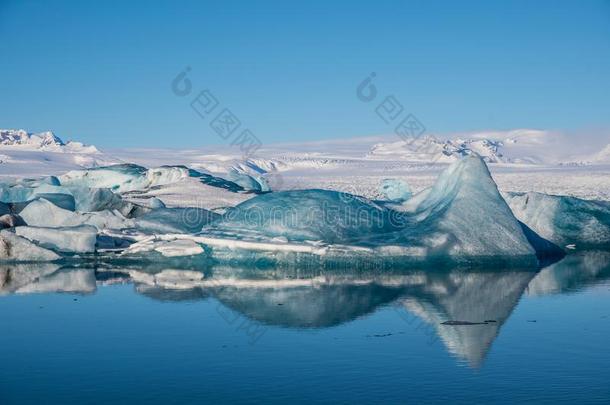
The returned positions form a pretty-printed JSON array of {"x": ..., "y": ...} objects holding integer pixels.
[{"x": 465, "y": 308}]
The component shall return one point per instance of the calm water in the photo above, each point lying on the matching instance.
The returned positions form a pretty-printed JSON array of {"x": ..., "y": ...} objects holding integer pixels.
[{"x": 84, "y": 335}]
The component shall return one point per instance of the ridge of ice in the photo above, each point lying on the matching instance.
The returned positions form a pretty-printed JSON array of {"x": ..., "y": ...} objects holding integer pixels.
[{"x": 564, "y": 220}]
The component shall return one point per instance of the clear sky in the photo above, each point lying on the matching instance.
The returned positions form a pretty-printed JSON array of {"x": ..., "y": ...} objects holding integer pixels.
[{"x": 101, "y": 72}]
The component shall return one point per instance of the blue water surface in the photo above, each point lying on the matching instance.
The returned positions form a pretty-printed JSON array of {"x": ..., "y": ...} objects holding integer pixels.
[{"x": 98, "y": 335}]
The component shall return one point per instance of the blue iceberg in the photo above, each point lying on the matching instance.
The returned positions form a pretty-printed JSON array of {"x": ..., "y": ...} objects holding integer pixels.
[{"x": 566, "y": 221}]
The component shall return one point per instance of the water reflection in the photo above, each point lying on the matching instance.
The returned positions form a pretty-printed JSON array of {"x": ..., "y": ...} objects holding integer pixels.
[
  {"x": 571, "y": 274},
  {"x": 308, "y": 298}
]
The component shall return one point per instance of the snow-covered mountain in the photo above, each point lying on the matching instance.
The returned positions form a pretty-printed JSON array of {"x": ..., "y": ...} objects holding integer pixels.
[
  {"x": 28, "y": 154},
  {"x": 518, "y": 146},
  {"x": 44, "y": 141}
]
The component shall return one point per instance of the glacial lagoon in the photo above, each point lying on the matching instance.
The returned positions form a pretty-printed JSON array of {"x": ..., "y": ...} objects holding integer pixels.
[{"x": 94, "y": 333}]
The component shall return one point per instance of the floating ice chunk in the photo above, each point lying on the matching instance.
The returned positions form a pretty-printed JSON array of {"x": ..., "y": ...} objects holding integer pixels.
[
  {"x": 44, "y": 213},
  {"x": 564, "y": 220},
  {"x": 395, "y": 190},
  {"x": 96, "y": 199},
  {"x": 18, "y": 249},
  {"x": 78, "y": 239}
]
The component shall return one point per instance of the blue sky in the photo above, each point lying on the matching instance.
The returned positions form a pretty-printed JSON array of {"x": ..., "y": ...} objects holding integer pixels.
[{"x": 102, "y": 72}]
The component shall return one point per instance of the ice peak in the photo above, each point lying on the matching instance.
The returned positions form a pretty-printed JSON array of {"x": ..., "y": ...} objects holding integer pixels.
[
  {"x": 46, "y": 141},
  {"x": 11, "y": 137}
]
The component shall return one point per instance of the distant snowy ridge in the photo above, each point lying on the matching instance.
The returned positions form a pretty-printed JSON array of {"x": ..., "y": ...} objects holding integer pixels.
[
  {"x": 517, "y": 146},
  {"x": 46, "y": 141},
  {"x": 429, "y": 149}
]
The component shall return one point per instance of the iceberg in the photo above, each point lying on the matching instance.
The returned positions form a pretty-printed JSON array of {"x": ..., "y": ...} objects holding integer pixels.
[
  {"x": 464, "y": 214},
  {"x": 462, "y": 217},
  {"x": 564, "y": 220}
]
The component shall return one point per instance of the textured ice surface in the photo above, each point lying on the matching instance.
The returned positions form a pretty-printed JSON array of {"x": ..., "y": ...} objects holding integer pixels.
[
  {"x": 175, "y": 220},
  {"x": 43, "y": 213},
  {"x": 307, "y": 215},
  {"x": 79, "y": 198},
  {"x": 130, "y": 177},
  {"x": 17, "y": 193},
  {"x": 77, "y": 239},
  {"x": 97, "y": 199},
  {"x": 564, "y": 220},
  {"x": 464, "y": 214},
  {"x": 19, "y": 249},
  {"x": 248, "y": 182}
]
